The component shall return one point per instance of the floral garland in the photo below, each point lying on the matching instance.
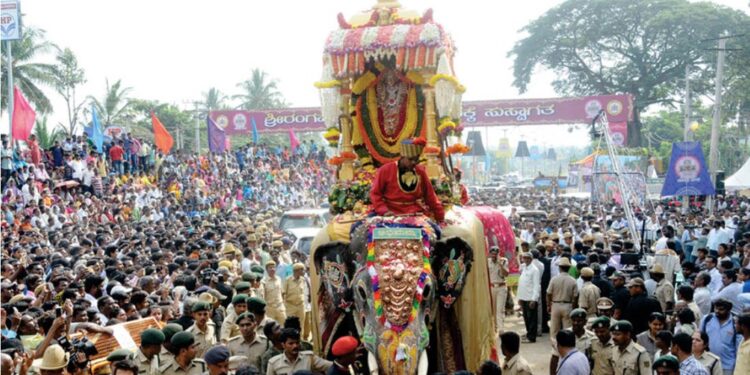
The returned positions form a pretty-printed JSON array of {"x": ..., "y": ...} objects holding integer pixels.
[
  {"x": 348, "y": 155},
  {"x": 458, "y": 148},
  {"x": 363, "y": 82},
  {"x": 431, "y": 150},
  {"x": 368, "y": 126},
  {"x": 335, "y": 160},
  {"x": 446, "y": 77},
  {"x": 375, "y": 280},
  {"x": 332, "y": 135},
  {"x": 446, "y": 126},
  {"x": 328, "y": 84}
]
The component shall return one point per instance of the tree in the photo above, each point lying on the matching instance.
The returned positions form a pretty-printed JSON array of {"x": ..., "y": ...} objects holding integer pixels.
[
  {"x": 45, "y": 135},
  {"x": 67, "y": 77},
  {"x": 617, "y": 46},
  {"x": 259, "y": 92},
  {"x": 28, "y": 73},
  {"x": 114, "y": 109},
  {"x": 213, "y": 99},
  {"x": 176, "y": 121}
]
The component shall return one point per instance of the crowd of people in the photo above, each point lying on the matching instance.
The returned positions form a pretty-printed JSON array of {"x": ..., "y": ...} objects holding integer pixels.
[
  {"x": 91, "y": 240},
  {"x": 676, "y": 302}
]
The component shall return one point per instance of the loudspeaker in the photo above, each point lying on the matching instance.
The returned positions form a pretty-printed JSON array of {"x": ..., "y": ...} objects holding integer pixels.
[{"x": 720, "y": 190}]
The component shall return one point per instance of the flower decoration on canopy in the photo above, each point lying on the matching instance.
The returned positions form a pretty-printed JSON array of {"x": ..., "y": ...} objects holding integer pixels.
[
  {"x": 331, "y": 102},
  {"x": 335, "y": 160},
  {"x": 332, "y": 135},
  {"x": 458, "y": 148}
]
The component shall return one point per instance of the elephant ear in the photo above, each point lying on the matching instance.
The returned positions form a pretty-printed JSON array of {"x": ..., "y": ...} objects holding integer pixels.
[
  {"x": 330, "y": 250},
  {"x": 451, "y": 248}
]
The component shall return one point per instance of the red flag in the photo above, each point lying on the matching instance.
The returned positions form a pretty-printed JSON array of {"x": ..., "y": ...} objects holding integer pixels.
[
  {"x": 162, "y": 139},
  {"x": 23, "y": 116},
  {"x": 293, "y": 141}
]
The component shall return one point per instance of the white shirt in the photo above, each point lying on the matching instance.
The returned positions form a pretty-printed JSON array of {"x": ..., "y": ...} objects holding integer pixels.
[
  {"x": 529, "y": 283},
  {"x": 702, "y": 298},
  {"x": 730, "y": 293},
  {"x": 716, "y": 282}
]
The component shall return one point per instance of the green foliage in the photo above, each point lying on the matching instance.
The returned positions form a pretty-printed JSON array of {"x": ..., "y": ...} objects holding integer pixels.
[
  {"x": 28, "y": 74},
  {"x": 68, "y": 75},
  {"x": 45, "y": 135},
  {"x": 260, "y": 92},
  {"x": 345, "y": 196},
  {"x": 114, "y": 108},
  {"x": 213, "y": 99},
  {"x": 613, "y": 46}
]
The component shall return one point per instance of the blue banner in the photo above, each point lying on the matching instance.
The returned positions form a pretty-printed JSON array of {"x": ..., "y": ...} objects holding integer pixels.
[{"x": 687, "y": 174}]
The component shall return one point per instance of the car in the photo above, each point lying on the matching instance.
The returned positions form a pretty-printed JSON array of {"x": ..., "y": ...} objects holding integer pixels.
[
  {"x": 532, "y": 215},
  {"x": 303, "y": 238},
  {"x": 304, "y": 218}
]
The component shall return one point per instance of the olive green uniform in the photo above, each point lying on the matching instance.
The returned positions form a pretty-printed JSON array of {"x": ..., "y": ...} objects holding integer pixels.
[
  {"x": 634, "y": 360},
  {"x": 306, "y": 360},
  {"x": 252, "y": 350}
]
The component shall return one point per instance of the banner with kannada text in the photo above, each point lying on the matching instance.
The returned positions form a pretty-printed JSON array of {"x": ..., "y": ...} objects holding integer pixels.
[{"x": 577, "y": 110}]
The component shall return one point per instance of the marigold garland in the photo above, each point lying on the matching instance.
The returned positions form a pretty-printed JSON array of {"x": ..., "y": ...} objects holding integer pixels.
[
  {"x": 446, "y": 125},
  {"x": 335, "y": 160},
  {"x": 327, "y": 84},
  {"x": 449, "y": 78},
  {"x": 348, "y": 155},
  {"x": 363, "y": 83},
  {"x": 431, "y": 150},
  {"x": 458, "y": 148}
]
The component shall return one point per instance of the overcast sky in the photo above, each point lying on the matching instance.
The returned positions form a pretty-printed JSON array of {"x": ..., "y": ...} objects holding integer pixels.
[{"x": 172, "y": 51}]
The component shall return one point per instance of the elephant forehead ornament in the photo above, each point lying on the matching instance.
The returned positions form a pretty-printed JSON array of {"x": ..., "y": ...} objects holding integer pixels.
[{"x": 400, "y": 279}]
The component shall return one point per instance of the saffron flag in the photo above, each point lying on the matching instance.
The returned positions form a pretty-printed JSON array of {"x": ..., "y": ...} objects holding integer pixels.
[
  {"x": 162, "y": 139},
  {"x": 23, "y": 116},
  {"x": 217, "y": 139},
  {"x": 293, "y": 141},
  {"x": 97, "y": 135},
  {"x": 255, "y": 131}
]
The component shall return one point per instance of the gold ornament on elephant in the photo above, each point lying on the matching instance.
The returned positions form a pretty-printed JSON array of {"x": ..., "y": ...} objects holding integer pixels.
[{"x": 400, "y": 267}]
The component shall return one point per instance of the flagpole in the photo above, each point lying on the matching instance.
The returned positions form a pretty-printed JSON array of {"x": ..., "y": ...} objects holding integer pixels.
[{"x": 9, "y": 64}]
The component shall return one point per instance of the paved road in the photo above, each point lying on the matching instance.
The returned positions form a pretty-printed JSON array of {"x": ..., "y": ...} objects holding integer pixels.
[{"x": 538, "y": 353}]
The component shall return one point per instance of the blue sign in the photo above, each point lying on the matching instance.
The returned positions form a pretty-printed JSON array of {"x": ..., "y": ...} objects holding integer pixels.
[
  {"x": 10, "y": 20},
  {"x": 687, "y": 174}
]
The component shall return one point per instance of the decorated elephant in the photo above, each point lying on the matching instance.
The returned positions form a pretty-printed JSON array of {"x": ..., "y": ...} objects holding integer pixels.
[{"x": 417, "y": 291}]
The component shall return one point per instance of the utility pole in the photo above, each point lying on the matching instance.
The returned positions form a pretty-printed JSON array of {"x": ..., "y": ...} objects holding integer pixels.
[
  {"x": 197, "y": 130},
  {"x": 714, "y": 151},
  {"x": 685, "y": 198},
  {"x": 9, "y": 66}
]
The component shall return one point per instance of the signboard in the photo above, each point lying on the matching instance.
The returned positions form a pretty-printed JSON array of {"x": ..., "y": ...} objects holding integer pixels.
[
  {"x": 687, "y": 173},
  {"x": 397, "y": 234},
  {"x": 10, "y": 20},
  {"x": 605, "y": 189},
  {"x": 619, "y": 109}
]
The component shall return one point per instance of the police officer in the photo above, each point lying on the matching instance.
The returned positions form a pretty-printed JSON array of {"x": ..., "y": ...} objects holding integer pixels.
[
  {"x": 273, "y": 293},
  {"x": 292, "y": 359},
  {"x": 667, "y": 365},
  {"x": 203, "y": 328},
  {"x": 217, "y": 360},
  {"x": 628, "y": 358},
  {"x": 497, "y": 267},
  {"x": 589, "y": 292},
  {"x": 601, "y": 347},
  {"x": 169, "y": 330},
  {"x": 248, "y": 343},
  {"x": 345, "y": 351},
  {"x": 185, "y": 362},
  {"x": 583, "y": 336},
  {"x": 294, "y": 293},
  {"x": 257, "y": 306},
  {"x": 229, "y": 328},
  {"x": 562, "y": 293},
  {"x": 147, "y": 356}
]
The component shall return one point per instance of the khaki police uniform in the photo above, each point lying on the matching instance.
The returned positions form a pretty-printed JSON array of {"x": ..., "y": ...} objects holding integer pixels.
[
  {"x": 146, "y": 366},
  {"x": 294, "y": 298},
  {"x": 252, "y": 350},
  {"x": 196, "y": 367},
  {"x": 587, "y": 298},
  {"x": 499, "y": 290},
  {"x": 712, "y": 362},
  {"x": 205, "y": 340},
  {"x": 601, "y": 355},
  {"x": 664, "y": 293},
  {"x": 634, "y": 360},
  {"x": 563, "y": 290},
  {"x": 274, "y": 300},
  {"x": 306, "y": 360},
  {"x": 165, "y": 356},
  {"x": 229, "y": 328},
  {"x": 517, "y": 366},
  {"x": 257, "y": 292}
]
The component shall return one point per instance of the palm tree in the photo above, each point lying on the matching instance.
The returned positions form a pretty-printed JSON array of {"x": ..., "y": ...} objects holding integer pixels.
[
  {"x": 45, "y": 135},
  {"x": 116, "y": 104},
  {"x": 28, "y": 74},
  {"x": 213, "y": 99},
  {"x": 259, "y": 92}
]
